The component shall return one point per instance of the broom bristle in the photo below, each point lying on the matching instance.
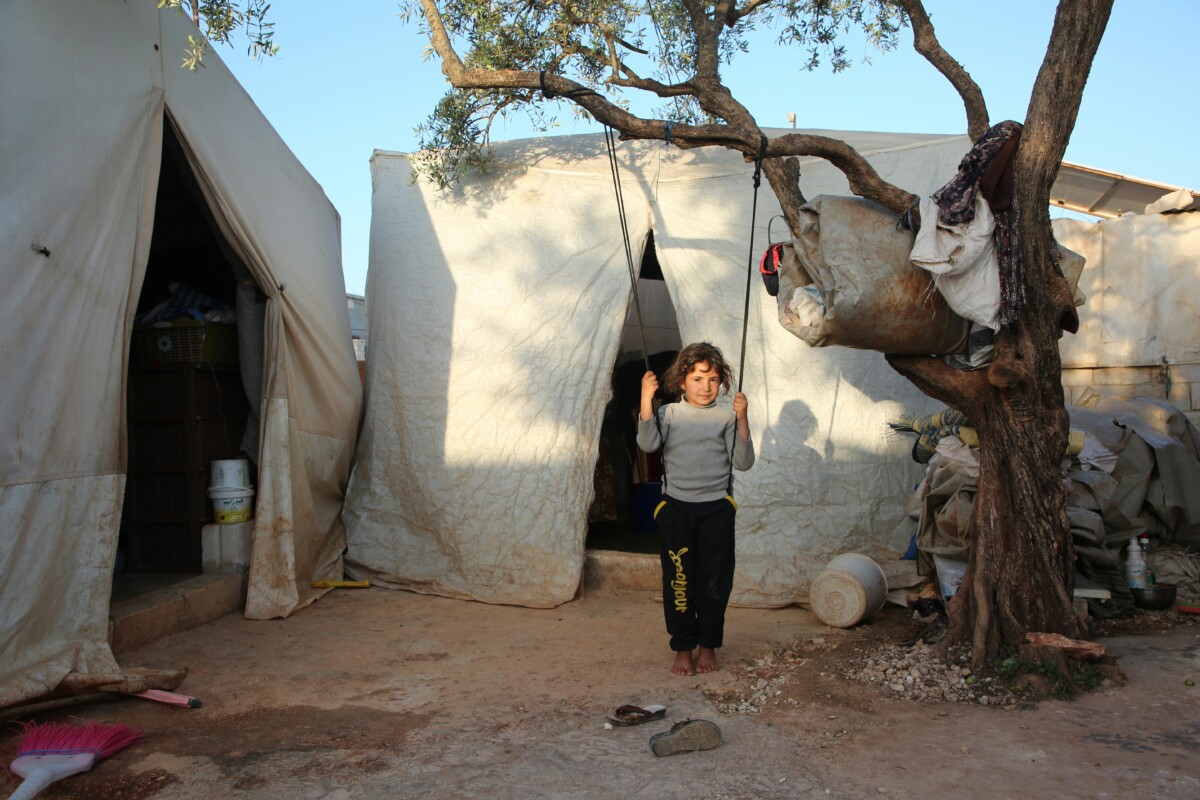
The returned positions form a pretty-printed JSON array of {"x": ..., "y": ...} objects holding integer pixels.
[{"x": 65, "y": 738}]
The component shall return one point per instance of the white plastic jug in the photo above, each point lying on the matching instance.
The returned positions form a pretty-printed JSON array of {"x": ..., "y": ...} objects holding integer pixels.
[
  {"x": 231, "y": 506},
  {"x": 230, "y": 474}
]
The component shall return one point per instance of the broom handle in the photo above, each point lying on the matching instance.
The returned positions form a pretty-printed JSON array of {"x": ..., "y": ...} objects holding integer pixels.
[
  {"x": 39, "y": 779},
  {"x": 49, "y": 768}
]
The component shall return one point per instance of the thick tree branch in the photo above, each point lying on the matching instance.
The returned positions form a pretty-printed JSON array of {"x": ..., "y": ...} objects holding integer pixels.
[
  {"x": 618, "y": 67},
  {"x": 741, "y": 132},
  {"x": 941, "y": 382},
  {"x": 926, "y": 43},
  {"x": 1054, "y": 105},
  {"x": 864, "y": 180},
  {"x": 635, "y": 81},
  {"x": 708, "y": 35},
  {"x": 734, "y": 14},
  {"x": 783, "y": 174},
  {"x": 1052, "y": 112}
]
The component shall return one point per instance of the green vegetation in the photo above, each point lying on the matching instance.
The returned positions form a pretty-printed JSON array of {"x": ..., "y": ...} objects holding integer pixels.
[
  {"x": 1082, "y": 678},
  {"x": 219, "y": 20}
]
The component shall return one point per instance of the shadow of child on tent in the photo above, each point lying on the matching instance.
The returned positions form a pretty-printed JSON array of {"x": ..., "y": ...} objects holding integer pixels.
[
  {"x": 793, "y": 463},
  {"x": 702, "y": 442}
]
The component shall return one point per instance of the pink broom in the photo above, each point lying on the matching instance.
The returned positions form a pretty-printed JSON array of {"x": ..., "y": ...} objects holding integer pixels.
[{"x": 53, "y": 751}]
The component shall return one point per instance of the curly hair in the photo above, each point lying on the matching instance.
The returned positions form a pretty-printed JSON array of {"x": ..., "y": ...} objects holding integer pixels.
[{"x": 689, "y": 357}]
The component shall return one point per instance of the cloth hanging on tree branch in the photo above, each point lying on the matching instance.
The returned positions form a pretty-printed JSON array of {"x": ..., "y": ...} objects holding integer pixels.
[{"x": 987, "y": 169}]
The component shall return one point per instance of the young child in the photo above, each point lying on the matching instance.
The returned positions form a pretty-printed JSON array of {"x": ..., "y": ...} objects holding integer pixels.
[{"x": 701, "y": 444}]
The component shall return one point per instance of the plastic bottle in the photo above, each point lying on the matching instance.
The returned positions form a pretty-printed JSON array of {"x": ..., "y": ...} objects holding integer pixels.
[
  {"x": 1135, "y": 565},
  {"x": 1144, "y": 544}
]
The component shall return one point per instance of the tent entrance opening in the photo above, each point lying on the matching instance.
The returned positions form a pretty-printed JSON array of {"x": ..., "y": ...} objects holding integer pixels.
[
  {"x": 628, "y": 481},
  {"x": 186, "y": 405}
]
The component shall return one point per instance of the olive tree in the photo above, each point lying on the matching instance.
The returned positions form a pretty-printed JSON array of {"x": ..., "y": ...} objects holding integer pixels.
[
  {"x": 219, "y": 20},
  {"x": 505, "y": 56}
]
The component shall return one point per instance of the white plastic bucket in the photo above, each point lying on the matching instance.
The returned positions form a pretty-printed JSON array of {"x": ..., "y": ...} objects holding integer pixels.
[
  {"x": 231, "y": 505},
  {"x": 230, "y": 474},
  {"x": 852, "y": 588}
]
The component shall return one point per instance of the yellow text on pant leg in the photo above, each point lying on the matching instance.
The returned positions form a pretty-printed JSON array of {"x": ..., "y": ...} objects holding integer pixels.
[{"x": 679, "y": 585}]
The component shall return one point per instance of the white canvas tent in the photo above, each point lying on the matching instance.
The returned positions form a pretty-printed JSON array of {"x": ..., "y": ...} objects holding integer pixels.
[
  {"x": 84, "y": 87},
  {"x": 496, "y": 313},
  {"x": 1142, "y": 306}
]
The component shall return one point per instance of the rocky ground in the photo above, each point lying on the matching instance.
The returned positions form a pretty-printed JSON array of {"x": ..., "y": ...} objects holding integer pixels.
[
  {"x": 899, "y": 659},
  {"x": 380, "y": 694}
]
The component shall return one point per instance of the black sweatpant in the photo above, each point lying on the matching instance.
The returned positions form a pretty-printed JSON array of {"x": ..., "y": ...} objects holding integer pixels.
[{"x": 697, "y": 565}]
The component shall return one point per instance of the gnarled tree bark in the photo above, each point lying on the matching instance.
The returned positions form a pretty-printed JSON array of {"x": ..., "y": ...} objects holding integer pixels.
[{"x": 1021, "y": 570}]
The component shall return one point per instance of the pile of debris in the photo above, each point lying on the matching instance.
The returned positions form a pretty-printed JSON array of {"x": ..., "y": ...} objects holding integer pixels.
[
  {"x": 914, "y": 672},
  {"x": 1132, "y": 469},
  {"x": 760, "y": 681}
]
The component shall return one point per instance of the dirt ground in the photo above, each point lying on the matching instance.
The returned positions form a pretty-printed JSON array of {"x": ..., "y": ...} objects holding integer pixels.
[{"x": 383, "y": 694}]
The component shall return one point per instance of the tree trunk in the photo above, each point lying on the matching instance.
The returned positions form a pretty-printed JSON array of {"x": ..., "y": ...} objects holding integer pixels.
[
  {"x": 1022, "y": 564},
  {"x": 1021, "y": 569}
]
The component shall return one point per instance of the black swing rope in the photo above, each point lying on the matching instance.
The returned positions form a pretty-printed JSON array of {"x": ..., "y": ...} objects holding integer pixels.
[
  {"x": 758, "y": 161},
  {"x": 610, "y": 142}
]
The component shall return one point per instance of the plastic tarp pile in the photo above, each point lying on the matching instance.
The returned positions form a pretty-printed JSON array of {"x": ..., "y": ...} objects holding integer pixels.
[
  {"x": 496, "y": 312},
  {"x": 1138, "y": 471},
  {"x": 84, "y": 86}
]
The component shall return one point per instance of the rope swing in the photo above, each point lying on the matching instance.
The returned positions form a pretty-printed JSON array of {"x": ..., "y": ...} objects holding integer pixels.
[
  {"x": 610, "y": 142},
  {"x": 610, "y": 145},
  {"x": 758, "y": 161}
]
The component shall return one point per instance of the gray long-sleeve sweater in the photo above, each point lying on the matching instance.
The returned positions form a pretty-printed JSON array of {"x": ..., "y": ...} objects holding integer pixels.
[{"x": 701, "y": 442}]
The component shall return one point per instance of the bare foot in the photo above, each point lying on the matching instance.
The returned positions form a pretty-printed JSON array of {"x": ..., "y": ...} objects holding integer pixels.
[
  {"x": 682, "y": 665},
  {"x": 707, "y": 660}
]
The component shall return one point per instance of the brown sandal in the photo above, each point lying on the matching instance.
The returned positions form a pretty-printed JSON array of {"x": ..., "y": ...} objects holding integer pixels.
[
  {"x": 686, "y": 736},
  {"x": 636, "y": 715}
]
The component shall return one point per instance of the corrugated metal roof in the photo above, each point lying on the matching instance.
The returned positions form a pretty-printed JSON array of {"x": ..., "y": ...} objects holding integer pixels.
[{"x": 1107, "y": 194}]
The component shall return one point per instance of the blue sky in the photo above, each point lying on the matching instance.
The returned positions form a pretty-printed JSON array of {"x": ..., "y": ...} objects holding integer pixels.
[{"x": 352, "y": 78}]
